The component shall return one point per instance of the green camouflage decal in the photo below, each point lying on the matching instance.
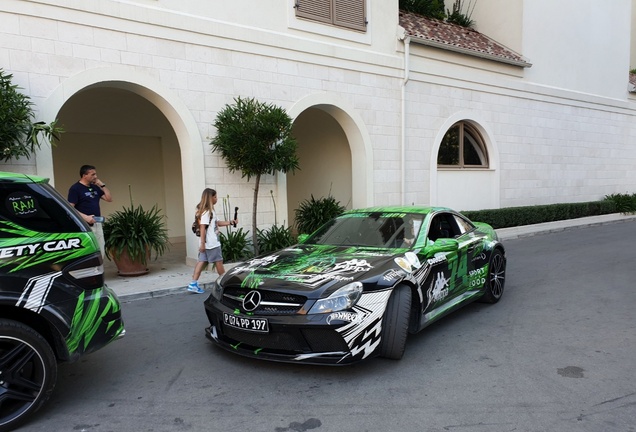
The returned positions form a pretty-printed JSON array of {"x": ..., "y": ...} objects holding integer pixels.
[{"x": 88, "y": 317}]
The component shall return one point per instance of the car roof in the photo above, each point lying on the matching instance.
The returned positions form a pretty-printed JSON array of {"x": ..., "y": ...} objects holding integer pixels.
[
  {"x": 423, "y": 210},
  {"x": 10, "y": 177}
]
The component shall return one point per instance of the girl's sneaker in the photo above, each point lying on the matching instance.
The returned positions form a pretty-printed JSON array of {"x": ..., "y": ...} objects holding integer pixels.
[{"x": 195, "y": 288}]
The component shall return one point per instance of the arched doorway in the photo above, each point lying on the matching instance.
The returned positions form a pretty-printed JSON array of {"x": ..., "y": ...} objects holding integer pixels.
[
  {"x": 325, "y": 161},
  {"x": 133, "y": 147},
  {"x": 177, "y": 134},
  {"x": 335, "y": 155}
]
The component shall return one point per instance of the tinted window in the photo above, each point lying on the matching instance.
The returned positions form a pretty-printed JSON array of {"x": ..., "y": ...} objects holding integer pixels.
[
  {"x": 35, "y": 207},
  {"x": 369, "y": 229}
]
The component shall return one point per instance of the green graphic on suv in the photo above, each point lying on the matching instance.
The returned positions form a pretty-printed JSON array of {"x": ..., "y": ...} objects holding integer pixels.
[{"x": 54, "y": 304}]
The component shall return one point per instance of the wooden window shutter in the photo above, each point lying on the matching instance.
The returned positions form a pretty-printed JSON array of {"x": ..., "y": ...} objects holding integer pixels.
[
  {"x": 318, "y": 10},
  {"x": 342, "y": 13},
  {"x": 350, "y": 13}
]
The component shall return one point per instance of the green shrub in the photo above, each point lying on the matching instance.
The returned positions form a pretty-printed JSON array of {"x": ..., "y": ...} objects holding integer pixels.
[
  {"x": 529, "y": 215},
  {"x": 313, "y": 213},
  {"x": 625, "y": 203},
  {"x": 275, "y": 238},
  {"x": 429, "y": 8},
  {"x": 458, "y": 17},
  {"x": 19, "y": 134},
  {"x": 235, "y": 245}
]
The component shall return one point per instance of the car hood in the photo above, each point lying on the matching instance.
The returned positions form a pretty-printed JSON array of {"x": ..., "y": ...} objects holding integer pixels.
[{"x": 313, "y": 269}]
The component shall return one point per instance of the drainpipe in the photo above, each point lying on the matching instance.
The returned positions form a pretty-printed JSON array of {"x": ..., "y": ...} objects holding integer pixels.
[{"x": 407, "y": 42}]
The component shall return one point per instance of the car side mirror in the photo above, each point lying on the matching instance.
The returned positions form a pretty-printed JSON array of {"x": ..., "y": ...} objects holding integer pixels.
[{"x": 443, "y": 245}]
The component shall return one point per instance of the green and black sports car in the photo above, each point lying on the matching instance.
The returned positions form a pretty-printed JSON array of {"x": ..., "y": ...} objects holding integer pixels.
[{"x": 357, "y": 286}]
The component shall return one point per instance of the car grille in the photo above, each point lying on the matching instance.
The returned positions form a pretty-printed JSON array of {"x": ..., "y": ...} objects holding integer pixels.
[
  {"x": 295, "y": 340},
  {"x": 272, "y": 302}
]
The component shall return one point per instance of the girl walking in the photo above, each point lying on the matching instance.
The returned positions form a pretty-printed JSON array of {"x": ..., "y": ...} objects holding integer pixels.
[{"x": 209, "y": 246}]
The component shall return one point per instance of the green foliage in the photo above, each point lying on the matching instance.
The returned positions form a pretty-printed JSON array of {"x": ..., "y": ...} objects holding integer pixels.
[
  {"x": 429, "y": 8},
  {"x": 529, "y": 215},
  {"x": 625, "y": 203},
  {"x": 19, "y": 135},
  {"x": 313, "y": 213},
  {"x": 139, "y": 231},
  {"x": 632, "y": 71},
  {"x": 235, "y": 245},
  {"x": 255, "y": 138},
  {"x": 458, "y": 17},
  {"x": 275, "y": 238}
]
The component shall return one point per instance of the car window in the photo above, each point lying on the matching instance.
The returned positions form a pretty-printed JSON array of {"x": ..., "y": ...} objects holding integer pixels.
[
  {"x": 444, "y": 225},
  {"x": 36, "y": 207},
  {"x": 463, "y": 225},
  {"x": 369, "y": 229}
]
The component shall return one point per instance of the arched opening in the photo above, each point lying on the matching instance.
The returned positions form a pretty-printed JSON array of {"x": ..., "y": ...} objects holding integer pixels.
[
  {"x": 182, "y": 158},
  {"x": 133, "y": 147},
  {"x": 336, "y": 154},
  {"x": 325, "y": 161}
]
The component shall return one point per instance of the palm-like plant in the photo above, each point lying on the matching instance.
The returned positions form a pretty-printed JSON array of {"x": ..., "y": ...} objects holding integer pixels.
[
  {"x": 19, "y": 135},
  {"x": 138, "y": 231}
]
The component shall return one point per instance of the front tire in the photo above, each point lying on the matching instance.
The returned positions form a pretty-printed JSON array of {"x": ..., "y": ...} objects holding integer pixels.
[
  {"x": 496, "y": 278},
  {"x": 28, "y": 371},
  {"x": 395, "y": 324}
]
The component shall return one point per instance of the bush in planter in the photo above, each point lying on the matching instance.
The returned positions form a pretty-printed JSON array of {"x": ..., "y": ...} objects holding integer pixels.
[{"x": 140, "y": 232}]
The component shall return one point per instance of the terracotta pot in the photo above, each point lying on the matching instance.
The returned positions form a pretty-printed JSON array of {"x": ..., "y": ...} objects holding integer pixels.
[{"x": 127, "y": 267}]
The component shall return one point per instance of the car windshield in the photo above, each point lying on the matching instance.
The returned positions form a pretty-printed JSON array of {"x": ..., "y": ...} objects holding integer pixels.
[{"x": 382, "y": 230}]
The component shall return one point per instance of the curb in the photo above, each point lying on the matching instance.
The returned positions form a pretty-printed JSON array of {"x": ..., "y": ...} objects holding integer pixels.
[{"x": 558, "y": 226}]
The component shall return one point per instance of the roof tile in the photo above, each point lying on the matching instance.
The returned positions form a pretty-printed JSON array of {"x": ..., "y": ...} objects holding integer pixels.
[{"x": 445, "y": 35}]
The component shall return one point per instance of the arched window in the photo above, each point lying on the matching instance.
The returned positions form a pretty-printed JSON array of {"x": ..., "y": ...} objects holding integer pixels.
[{"x": 462, "y": 147}]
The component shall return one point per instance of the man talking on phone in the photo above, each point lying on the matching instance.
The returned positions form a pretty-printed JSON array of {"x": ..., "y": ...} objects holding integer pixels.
[{"x": 85, "y": 196}]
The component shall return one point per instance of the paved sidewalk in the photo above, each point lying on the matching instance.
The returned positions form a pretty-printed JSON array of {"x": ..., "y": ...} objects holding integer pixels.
[{"x": 169, "y": 274}]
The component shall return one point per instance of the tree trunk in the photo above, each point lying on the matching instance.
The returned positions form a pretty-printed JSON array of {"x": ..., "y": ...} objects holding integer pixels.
[{"x": 254, "y": 233}]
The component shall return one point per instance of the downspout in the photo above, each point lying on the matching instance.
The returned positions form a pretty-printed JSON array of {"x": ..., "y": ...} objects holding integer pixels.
[{"x": 407, "y": 43}]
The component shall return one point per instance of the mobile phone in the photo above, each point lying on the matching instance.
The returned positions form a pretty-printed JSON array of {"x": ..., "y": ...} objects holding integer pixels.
[{"x": 99, "y": 219}]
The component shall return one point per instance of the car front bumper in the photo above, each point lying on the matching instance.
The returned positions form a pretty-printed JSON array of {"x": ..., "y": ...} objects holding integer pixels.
[{"x": 331, "y": 339}]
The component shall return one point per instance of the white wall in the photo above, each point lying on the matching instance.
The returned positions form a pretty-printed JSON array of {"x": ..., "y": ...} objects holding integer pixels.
[
  {"x": 581, "y": 46},
  {"x": 501, "y": 20},
  {"x": 632, "y": 39}
]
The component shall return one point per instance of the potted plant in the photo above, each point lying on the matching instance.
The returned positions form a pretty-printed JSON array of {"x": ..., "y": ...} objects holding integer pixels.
[{"x": 131, "y": 235}]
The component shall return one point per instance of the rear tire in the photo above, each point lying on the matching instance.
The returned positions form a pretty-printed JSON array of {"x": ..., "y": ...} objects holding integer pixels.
[
  {"x": 395, "y": 324},
  {"x": 496, "y": 278},
  {"x": 28, "y": 371}
]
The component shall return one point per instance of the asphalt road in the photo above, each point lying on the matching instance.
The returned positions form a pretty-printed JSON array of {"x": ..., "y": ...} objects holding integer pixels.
[{"x": 557, "y": 353}]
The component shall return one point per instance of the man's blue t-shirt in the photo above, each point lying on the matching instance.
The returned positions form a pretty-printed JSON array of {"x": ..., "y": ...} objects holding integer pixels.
[{"x": 85, "y": 198}]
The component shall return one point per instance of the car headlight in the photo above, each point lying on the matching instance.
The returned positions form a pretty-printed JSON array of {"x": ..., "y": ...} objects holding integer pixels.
[{"x": 343, "y": 298}]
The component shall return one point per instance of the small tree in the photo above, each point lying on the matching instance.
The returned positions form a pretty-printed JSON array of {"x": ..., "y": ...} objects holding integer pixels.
[
  {"x": 19, "y": 135},
  {"x": 255, "y": 138}
]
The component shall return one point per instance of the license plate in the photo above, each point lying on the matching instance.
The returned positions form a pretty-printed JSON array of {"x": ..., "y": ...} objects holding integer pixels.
[{"x": 259, "y": 325}]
